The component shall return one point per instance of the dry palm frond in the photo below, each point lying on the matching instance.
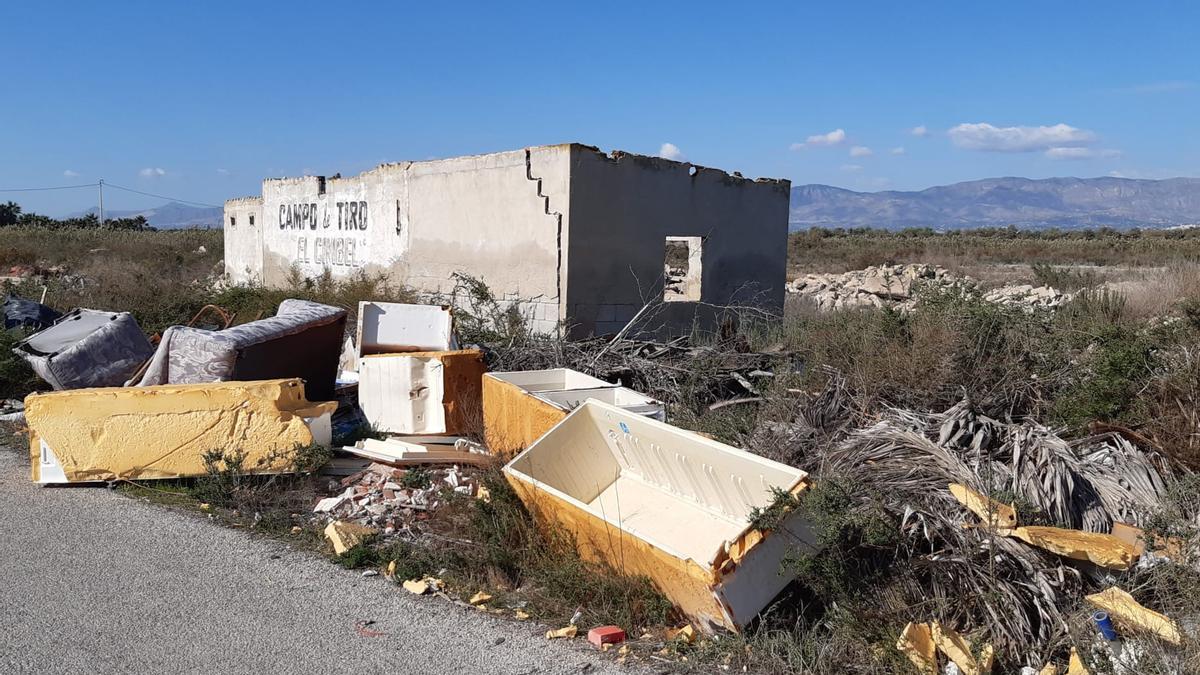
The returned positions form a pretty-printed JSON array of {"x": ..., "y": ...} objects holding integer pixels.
[{"x": 972, "y": 577}]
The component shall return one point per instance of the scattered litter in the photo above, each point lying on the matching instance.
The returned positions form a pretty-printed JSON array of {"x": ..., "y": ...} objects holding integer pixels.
[
  {"x": 567, "y": 632},
  {"x": 399, "y": 452},
  {"x": 1101, "y": 549},
  {"x": 1075, "y": 665},
  {"x": 606, "y": 635},
  {"x": 916, "y": 642},
  {"x": 26, "y": 314},
  {"x": 296, "y": 529},
  {"x": 598, "y": 463},
  {"x": 390, "y": 572},
  {"x": 1171, "y": 547},
  {"x": 12, "y": 410},
  {"x": 520, "y": 615},
  {"x": 685, "y": 634},
  {"x": 960, "y": 652},
  {"x": 364, "y": 629},
  {"x": 479, "y": 598},
  {"x": 345, "y": 536},
  {"x": 370, "y": 573},
  {"x": 416, "y": 586},
  {"x": 1131, "y": 615}
]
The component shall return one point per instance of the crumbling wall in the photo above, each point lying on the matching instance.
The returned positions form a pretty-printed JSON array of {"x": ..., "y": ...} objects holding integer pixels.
[
  {"x": 498, "y": 217},
  {"x": 243, "y": 239},
  {"x": 623, "y": 209}
]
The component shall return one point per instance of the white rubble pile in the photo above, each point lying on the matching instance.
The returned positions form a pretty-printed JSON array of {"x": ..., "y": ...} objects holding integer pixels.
[
  {"x": 895, "y": 285},
  {"x": 1027, "y": 296},
  {"x": 381, "y": 497},
  {"x": 879, "y": 286}
]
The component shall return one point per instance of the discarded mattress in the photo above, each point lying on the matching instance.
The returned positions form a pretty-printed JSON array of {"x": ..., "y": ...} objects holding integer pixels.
[
  {"x": 87, "y": 348},
  {"x": 303, "y": 339},
  {"x": 519, "y": 406},
  {"x": 422, "y": 392},
  {"x": 651, "y": 499},
  {"x": 27, "y": 314},
  {"x": 164, "y": 431},
  {"x": 393, "y": 327}
]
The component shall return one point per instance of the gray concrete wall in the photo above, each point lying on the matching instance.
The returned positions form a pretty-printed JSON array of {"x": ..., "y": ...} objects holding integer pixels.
[{"x": 622, "y": 209}]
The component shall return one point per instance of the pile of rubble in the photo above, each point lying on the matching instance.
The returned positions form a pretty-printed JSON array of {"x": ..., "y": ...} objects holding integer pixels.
[
  {"x": 896, "y": 285},
  {"x": 388, "y": 499},
  {"x": 1028, "y": 296}
]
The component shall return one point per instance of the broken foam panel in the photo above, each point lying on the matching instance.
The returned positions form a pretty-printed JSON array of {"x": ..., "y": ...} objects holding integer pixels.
[{"x": 89, "y": 435}]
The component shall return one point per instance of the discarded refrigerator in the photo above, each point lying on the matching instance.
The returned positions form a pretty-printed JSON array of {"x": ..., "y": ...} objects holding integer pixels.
[
  {"x": 651, "y": 499},
  {"x": 411, "y": 377},
  {"x": 520, "y": 406},
  {"x": 164, "y": 431},
  {"x": 87, "y": 348}
]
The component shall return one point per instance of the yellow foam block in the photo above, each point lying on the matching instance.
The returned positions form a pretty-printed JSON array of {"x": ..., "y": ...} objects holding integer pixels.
[
  {"x": 345, "y": 536},
  {"x": 164, "y": 431},
  {"x": 1131, "y": 615}
]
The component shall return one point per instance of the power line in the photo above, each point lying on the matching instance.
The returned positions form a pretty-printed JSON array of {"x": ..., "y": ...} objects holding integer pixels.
[
  {"x": 41, "y": 189},
  {"x": 150, "y": 194}
]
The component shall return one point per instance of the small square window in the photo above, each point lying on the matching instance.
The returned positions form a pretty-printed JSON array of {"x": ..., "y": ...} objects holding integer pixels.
[
  {"x": 251, "y": 220},
  {"x": 233, "y": 221},
  {"x": 682, "y": 274}
]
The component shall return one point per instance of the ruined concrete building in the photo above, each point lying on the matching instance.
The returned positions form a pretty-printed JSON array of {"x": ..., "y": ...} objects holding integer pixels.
[{"x": 582, "y": 239}]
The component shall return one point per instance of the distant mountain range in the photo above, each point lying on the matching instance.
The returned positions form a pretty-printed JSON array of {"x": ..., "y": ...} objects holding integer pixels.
[
  {"x": 169, "y": 216},
  {"x": 1068, "y": 203}
]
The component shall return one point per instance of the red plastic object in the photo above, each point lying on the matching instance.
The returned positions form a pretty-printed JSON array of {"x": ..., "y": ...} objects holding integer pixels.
[{"x": 606, "y": 635}]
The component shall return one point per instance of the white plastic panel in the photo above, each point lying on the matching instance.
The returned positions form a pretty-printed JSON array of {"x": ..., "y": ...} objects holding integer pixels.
[
  {"x": 554, "y": 379},
  {"x": 392, "y": 327},
  {"x": 49, "y": 468},
  {"x": 621, "y": 397},
  {"x": 402, "y": 394}
]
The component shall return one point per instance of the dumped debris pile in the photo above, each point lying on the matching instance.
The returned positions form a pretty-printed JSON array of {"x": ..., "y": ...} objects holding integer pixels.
[
  {"x": 392, "y": 499},
  {"x": 896, "y": 286},
  {"x": 1043, "y": 507},
  {"x": 877, "y": 286}
]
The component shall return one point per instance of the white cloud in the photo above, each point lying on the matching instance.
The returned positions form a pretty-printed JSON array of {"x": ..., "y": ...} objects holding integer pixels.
[
  {"x": 835, "y": 137},
  {"x": 671, "y": 151},
  {"x": 225, "y": 172},
  {"x": 860, "y": 151},
  {"x": 152, "y": 172},
  {"x": 899, "y": 150},
  {"x": 71, "y": 174},
  {"x": 986, "y": 137},
  {"x": 919, "y": 131},
  {"x": 852, "y": 167},
  {"x": 1157, "y": 87},
  {"x": 1080, "y": 153}
]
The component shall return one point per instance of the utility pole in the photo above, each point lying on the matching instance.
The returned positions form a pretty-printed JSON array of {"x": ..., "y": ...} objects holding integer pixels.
[{"x": 101, "y": 202}]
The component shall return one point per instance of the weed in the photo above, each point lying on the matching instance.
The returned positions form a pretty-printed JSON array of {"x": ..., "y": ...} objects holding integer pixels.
[
  {"x": 417, "y": 478},
  {"x": 768, "y": 518}
]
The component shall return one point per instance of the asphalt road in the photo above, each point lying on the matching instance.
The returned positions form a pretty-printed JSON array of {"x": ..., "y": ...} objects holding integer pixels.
[{"x": 92, "y": 581}]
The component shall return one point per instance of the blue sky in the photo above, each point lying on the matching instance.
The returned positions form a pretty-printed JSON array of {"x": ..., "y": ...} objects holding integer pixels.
[{"x": 203, "y": 100}]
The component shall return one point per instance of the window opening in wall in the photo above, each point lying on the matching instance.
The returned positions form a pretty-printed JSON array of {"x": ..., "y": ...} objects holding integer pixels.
[
  {"x": 233, "y": 221},
  {"x": 251, "y": 219},
  {"x": 682, "y": 272}
]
